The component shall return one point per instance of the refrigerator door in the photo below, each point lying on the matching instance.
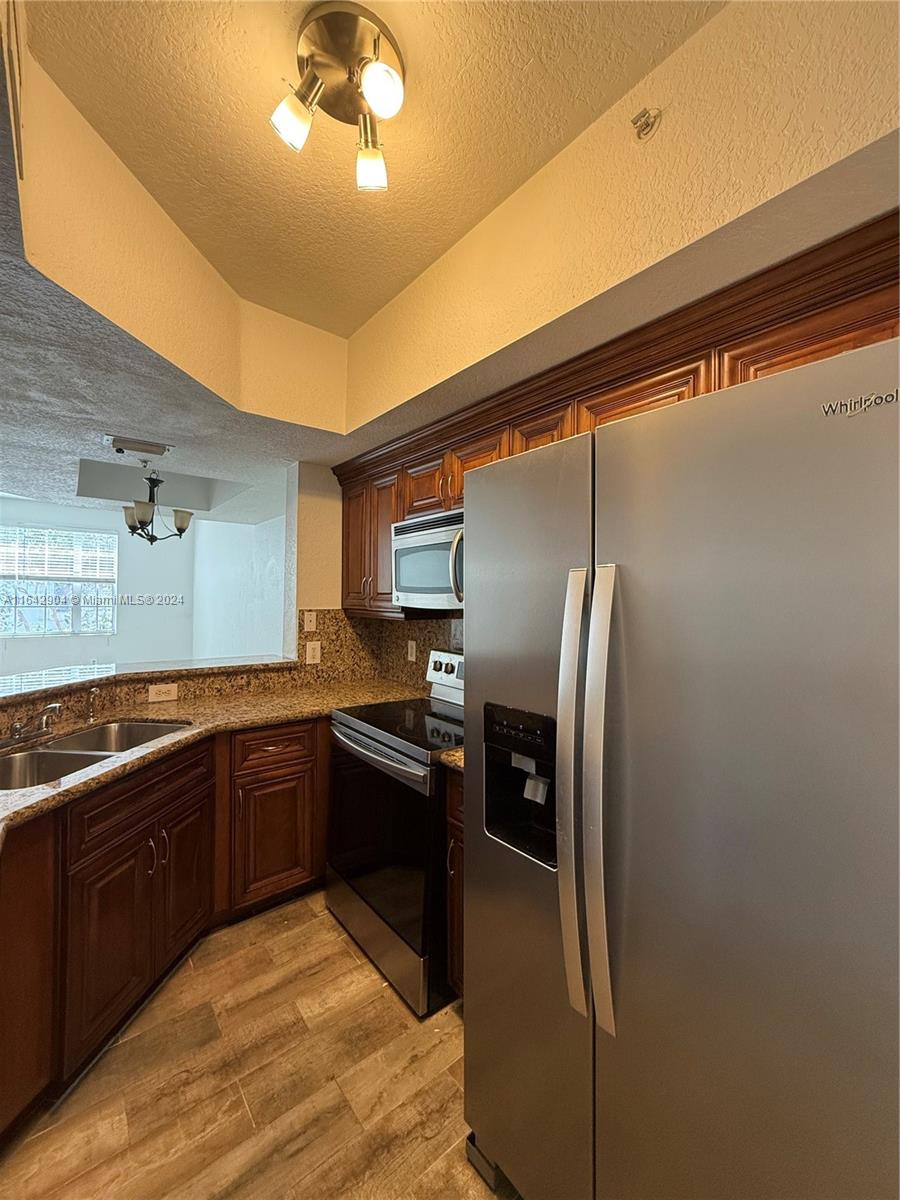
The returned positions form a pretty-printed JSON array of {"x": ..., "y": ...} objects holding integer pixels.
[
  {"x": 529, "y": 1052},
  {"x": 750, "y": 791}
]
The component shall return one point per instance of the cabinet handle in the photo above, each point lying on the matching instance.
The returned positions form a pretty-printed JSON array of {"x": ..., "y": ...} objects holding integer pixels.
[
  {"x": 165, "y": 838},
  {"x": 152, "y": 870},
  {"x": 450, "y": 870},
  {"x": 441, "y": 489},
  {"x": 450, "y": 488},
  {"x": 270, "y": 749}
]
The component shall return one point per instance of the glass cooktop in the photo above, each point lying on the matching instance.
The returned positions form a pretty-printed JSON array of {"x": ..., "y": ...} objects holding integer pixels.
[{"x": 422, "y": 728}]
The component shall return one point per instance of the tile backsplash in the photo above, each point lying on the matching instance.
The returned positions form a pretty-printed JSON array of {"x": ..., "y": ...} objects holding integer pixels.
[{"x": 357, "y": 647}]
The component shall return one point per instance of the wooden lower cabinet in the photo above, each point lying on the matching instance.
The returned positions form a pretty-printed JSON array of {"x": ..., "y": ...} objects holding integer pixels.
[
  {"x": 274, "y": 818},
  {"x": 455, "y": 859},
  {"x": 110, "y": 959},
  {"x": 185, "y": 876},
  {"x": 455, "y": 872},
  {"x": 28, "y": 971}
]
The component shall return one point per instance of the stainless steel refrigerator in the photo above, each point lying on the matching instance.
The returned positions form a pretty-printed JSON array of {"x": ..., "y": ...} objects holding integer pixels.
[{"x": 681, "y": 732}]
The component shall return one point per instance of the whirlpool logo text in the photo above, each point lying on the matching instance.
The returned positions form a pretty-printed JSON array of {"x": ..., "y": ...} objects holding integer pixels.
[{"x": 858, "y": 404}]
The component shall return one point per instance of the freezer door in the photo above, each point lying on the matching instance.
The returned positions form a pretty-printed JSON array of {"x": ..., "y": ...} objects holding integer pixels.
[
  {"x": 750, "y": 791},
  {"x": 529, "y": 1050}
]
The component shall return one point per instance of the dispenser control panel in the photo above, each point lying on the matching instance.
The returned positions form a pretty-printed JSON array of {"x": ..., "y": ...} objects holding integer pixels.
[{"x": 531, "y": 734}]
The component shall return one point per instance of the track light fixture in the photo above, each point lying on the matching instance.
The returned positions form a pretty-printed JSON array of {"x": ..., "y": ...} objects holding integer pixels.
[
  {"x": 350, "y": 67},
  {"x": 371, "y": 172},
  {"x": 292, "y": 119}
]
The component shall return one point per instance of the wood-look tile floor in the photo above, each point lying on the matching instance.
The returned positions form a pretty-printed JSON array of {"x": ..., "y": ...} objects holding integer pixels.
[{"x": 275, "y": 1062}]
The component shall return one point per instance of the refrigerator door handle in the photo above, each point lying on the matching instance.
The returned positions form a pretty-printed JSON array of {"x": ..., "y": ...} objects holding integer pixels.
[
  {"x": 594, "y": 720},
  {"x": 566, "y": 785}
]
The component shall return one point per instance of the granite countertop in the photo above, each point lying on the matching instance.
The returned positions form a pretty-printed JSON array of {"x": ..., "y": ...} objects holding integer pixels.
[
  {"x": 214, "y": 714},
  {"x": 453, "y": 759}
]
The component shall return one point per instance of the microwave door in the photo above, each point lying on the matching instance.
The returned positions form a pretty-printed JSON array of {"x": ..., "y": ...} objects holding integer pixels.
[{"x": 421, "y": 567}]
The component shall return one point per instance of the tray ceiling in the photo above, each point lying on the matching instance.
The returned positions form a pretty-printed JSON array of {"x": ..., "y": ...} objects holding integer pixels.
[{"x": 182, "y": 92}]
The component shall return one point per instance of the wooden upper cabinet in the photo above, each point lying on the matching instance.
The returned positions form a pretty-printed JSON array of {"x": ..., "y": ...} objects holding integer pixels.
[
  {"x": 425, "y": 486},
  {"x": 370, "y": 509},
  {"x": 644, "y": 392},
  {"x": 529, "y": 433},
  {"x": 356, "y": 546},
  {"x": 872, "y": 319},
  {"x": 384, "y": 506},
  {"x": 487, "y": 448}
]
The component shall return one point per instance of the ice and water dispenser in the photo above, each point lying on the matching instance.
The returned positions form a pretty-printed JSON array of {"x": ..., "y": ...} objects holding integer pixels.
[{"x": 519, "y": 780}]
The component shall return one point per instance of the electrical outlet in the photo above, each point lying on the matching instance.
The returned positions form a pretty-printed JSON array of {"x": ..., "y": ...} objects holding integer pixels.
[
  {"x": 162, "y": 691},
  {"x": 411, "y": 651},
  {"x": 309, "y": 622},
  {"x": 313, "y": 652}
]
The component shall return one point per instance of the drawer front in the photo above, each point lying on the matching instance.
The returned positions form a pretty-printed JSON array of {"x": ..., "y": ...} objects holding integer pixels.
[
  {"x": 114, "y": 811},
  {"x": 279, "y": 746},
  {"x": 454, "y": 795}
]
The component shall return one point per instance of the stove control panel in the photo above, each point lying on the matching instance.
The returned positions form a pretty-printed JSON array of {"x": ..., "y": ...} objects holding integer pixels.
[{"x": 446, "y": 674}]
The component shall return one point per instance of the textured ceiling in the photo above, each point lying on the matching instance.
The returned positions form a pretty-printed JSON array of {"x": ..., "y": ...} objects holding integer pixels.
[{"x": 182, "y": 92}]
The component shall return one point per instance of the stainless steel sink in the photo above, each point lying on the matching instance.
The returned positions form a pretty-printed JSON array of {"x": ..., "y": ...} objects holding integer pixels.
[
  {"x": 116, "y": 736},
  {"x": 28, "y": 768}
]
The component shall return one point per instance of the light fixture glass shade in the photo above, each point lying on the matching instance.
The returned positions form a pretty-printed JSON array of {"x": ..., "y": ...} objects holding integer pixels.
[
  {"x": 143, "y": 511},
  {"x": 292, "y": 121},
  {"x": 371, "y": 172},
  {"x": 182, "y": 519},
  {"x": 382, "y": 88},
  {"x": 130, "y": 518}
]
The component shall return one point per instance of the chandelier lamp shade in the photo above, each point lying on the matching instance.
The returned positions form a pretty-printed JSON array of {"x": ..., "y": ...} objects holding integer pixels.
[
  {"x": 351, "y": 69},
  {"x": 141, "y": 515}
]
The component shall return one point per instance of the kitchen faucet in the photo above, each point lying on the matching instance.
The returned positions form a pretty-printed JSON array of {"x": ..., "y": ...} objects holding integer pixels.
[{"x": 43, "y": 723}]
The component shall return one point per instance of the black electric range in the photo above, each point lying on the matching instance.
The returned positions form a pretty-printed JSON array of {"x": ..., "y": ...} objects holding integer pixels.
[
  {"x": 419, "y": 728},
  {"x": 387, "y": 831}
]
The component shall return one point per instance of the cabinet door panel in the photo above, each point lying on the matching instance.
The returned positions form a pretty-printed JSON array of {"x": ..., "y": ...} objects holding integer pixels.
[
  {"x": 356, "y": 546},
  {"x": 109, "y": 939},
  {"x": 455, "y": 866},
  {"x": 383, "y": 507},
  {"x": 185, "y": 876},
  {"x": 273, "y": 832},
  {"x": 478, "y": 453},
  {"x": 871, "y": 319},
  {"x": 675, "y": 383},
  {"x": 533, "y": 432},
  {"x": 425, "y": 486}
]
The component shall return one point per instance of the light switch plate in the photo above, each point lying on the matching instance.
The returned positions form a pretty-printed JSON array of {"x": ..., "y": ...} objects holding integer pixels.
[
  {"x": 162, "y": 691},
  {"x": 309, "y": 622},
  {"x": 411, "y": 651},
  {"x": 313, "y": 652}
]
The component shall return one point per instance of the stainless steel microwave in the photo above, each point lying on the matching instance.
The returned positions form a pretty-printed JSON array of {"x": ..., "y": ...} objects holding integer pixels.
[{"x": 427, "y": 561}]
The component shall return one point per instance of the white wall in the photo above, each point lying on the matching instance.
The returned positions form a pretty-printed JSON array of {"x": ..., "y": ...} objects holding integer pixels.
[
  {"x": 238, "y": 588},
  {"x": 319, "y": 516},
  {"x": 143, "y": 633}
]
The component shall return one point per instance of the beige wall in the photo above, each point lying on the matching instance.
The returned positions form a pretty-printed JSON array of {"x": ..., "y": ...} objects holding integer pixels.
[
  {"x": 318, "y": 538},
  {"x": 760, "y": 98}
]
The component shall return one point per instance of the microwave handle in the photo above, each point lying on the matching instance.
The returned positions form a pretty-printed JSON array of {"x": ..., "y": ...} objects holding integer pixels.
[{"x": 454, "y": 581}]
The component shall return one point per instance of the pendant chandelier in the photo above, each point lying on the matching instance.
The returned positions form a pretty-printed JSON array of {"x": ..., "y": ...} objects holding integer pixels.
[
  {"x": 351, "y": 67},
  {"x": 141, "y": 515}
]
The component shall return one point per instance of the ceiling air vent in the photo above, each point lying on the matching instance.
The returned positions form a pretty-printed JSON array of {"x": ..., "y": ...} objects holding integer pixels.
[{"x": 142, "y": 449}]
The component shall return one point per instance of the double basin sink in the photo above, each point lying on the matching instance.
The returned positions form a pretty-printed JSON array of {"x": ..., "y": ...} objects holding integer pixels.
[{"x": 74, "y": 751}]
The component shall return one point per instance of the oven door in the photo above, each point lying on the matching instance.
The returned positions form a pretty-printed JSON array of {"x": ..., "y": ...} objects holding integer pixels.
[
  {"x": 382, "y": 832},
  {"x": 427, "y": 568}
]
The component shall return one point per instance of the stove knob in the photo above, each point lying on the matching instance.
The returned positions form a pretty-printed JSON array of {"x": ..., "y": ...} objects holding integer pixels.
[
  {"x": 449, "y": 668},
  {"x": 445, "y": 737},
  {"x": 438, "y": 665}
]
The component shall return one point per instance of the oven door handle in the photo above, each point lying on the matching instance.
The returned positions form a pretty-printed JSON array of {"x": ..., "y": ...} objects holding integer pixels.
[{"x": 418, "y": 777}]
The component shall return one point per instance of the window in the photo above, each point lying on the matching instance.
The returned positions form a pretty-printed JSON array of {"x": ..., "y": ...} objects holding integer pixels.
[{"x": 57, "y": 582}]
